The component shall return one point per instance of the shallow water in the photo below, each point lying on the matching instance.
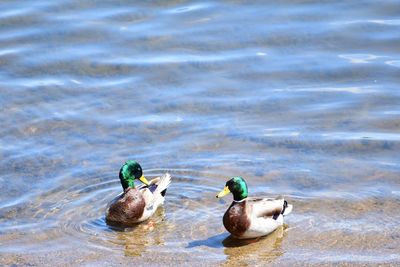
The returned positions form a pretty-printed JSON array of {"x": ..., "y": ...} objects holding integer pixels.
[{"x": 299, "y": 97}]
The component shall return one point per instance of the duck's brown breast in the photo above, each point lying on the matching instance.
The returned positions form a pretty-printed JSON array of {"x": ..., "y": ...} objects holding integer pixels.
[
  {"x": 127, "y": 208},
  {"x": 236, "y": 220}
]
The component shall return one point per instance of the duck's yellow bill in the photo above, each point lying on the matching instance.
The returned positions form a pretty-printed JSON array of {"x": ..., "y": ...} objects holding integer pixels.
[
  {"x": 144, "y": 180},
  {"x": 224, "y": 192}
]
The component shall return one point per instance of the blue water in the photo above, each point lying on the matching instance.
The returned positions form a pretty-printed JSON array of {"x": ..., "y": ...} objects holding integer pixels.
[{"x": 301, "y": 98}]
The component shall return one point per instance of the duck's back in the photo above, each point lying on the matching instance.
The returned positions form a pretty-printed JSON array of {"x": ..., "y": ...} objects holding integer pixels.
[{"x": 127, "y": 208}]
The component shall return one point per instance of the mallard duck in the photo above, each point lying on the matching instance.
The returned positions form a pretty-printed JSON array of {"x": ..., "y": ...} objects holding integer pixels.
[
  {"x": 136, "y": 204},
  {"x": 250, "y": 217}
]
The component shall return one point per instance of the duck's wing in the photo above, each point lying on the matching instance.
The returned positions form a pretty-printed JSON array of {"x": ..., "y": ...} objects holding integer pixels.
[
  {"x": 152, "y": 185},
  {"x": 267, "y": 207},
  {"x": 148, "y": 190},
  {"x": 155, "y": 191}
]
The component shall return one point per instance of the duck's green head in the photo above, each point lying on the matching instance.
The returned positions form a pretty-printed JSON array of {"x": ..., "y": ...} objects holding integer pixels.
[
  {"x": 130, "y": 171},
  {"x": 237, "y": 186}
]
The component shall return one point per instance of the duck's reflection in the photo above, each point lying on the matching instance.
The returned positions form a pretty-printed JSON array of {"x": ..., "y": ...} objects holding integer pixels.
[
  {"x": 246, "y": 251},
  {"x": 137, "y": 239},
  {"x": 254, "y": 251}
]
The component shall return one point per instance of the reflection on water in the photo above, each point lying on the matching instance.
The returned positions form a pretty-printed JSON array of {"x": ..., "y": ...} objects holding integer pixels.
[
  {"x": 245, "y": 252},
  {"x": 299, "y": 97},
  {"x": 137, "y": 241},
  {"x": 253, "y": 252}
]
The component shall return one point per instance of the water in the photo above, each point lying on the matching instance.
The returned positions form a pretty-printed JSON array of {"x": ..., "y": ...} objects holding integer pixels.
[{"x": 299, "y": 97}]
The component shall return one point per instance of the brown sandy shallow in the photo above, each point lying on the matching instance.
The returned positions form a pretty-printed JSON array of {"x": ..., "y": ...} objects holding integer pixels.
[
  {"x": 318, "y": 233},
  {"x": 65, "y": 225},
  {"x": 79, "y": 258}
]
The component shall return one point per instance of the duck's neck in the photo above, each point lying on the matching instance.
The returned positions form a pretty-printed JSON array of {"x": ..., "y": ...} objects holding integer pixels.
[
  {"x": 239, "y": 196},
  {"x": 238, "y": 201}
]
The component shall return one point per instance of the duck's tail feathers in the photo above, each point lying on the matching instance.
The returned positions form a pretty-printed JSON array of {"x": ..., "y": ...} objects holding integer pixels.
[
  {"x": 287, "y": 208},
  {"x": 161, "y": 189}
]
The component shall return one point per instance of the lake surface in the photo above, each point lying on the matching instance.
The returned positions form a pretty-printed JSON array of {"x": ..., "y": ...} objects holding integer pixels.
[{"x": 301, "y": 98}]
